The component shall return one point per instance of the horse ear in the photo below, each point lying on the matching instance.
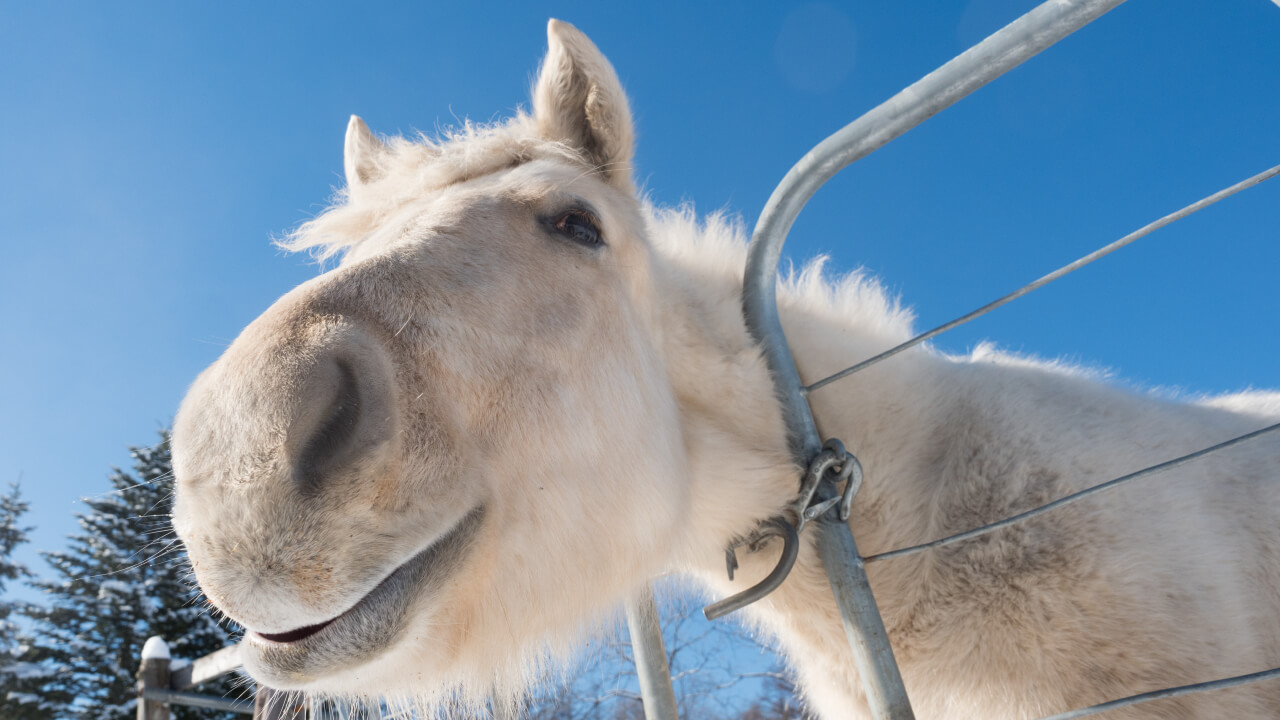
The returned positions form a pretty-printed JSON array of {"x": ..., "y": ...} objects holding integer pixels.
[
  {"x": 579, "y": 101},
  {"x": 360, "y": 154}
]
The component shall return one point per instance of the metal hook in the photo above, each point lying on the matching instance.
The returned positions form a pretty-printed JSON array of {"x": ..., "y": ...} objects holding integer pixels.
[
  {"x": 851, "y": 475},
  {"x": 824, "y": 461},
  {"x": 848, "y": 471},
  {"x": 790, "y": 550}
]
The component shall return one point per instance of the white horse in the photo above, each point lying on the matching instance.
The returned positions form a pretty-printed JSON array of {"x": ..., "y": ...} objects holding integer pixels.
[{"x": 524, "y": 392}]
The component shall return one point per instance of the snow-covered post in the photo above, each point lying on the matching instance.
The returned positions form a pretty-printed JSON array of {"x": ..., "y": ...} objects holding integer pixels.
[{"x": 154, "y": 673}]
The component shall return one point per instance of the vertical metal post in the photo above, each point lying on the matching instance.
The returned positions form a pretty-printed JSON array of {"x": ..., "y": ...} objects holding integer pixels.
[
  {"x": 651, "y": 657},
  {"x": 153, "y": 675},
  {"x": 269, "y": 704},
  {"x": 863, "y": 626},
  {"x": 501, "y": 709},
  {"x": 989, "y": 59}
]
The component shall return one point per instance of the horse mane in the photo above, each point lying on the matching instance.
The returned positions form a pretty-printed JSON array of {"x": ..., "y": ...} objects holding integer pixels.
[{"x": 716, "y": 246}]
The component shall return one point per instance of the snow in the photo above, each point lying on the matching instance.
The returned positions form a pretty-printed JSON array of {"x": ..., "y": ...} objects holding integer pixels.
[
  {"x": 155, "y": 649},
  {"x": 29, "y": 671},
  {"x": 113, "y": 586}
]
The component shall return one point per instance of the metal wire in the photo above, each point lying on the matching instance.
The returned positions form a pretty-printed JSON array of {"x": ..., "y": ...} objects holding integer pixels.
[
  {"x": 1070, "y": 267},
  {"x": 1166, "y": 693},
  {"x": 1072, "y": 498}
]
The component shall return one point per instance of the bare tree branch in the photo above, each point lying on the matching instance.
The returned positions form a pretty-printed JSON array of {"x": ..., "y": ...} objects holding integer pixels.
[{"x": 719, "y": 670}]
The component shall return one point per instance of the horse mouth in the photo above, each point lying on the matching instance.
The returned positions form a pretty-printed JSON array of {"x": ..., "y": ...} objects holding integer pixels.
[
  {"x": 373, "y": 624},
  {"x": 301, "y": 633}
]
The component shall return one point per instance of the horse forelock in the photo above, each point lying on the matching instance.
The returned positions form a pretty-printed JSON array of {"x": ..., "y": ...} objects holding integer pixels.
[
  {"x": 715, "y": 244},
  {"x": 413, "y": 167}
]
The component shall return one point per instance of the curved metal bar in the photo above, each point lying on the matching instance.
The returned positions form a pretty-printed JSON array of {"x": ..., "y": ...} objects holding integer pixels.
[
  {"x": 790, "y": 550},
  {"x": 999, "y": 53},
  {"x": 977, "y": 66}
]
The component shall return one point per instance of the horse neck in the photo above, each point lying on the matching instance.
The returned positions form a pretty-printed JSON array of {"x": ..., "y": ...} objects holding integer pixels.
[{"x": 740, "y": 469}]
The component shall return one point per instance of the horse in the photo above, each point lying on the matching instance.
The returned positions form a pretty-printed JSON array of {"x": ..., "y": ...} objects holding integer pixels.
[{"x": 524, "y": 391}]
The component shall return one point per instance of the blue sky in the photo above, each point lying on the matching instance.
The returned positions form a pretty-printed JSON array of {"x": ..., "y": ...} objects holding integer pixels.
[{"x": 150, "y": 152}]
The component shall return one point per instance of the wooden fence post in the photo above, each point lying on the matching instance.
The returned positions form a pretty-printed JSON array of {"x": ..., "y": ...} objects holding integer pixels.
[{"x": 154, "y": 673}]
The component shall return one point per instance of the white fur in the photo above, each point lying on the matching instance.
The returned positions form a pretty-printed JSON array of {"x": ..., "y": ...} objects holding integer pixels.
[{"x": 609, "y": 410}]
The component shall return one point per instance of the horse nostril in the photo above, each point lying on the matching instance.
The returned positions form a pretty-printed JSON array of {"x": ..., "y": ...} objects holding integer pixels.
[{"x": 334, "y": 434}]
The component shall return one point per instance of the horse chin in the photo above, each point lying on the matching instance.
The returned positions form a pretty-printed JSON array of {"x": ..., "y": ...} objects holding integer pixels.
[{"x": 302, "y": 659}]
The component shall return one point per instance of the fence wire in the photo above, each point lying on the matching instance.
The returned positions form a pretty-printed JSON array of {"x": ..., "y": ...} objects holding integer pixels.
[
  {"x": 1065, "y": 269},
  {"x": 1166, "y": 693},
  {"x": 1072, "y": 498}
]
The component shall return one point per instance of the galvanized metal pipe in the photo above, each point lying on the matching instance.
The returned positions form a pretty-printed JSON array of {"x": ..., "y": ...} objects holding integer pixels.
[
  {"x": 863, "y": 627},
  {"x": 502, "y": 709},
  {"x": 272, "y": 704},
  {"x": 190, "y": 699},
  {"x": 977, "y": 66},
  {"x": 999, "y": 53},
  {"x": 650, "y": 657}
]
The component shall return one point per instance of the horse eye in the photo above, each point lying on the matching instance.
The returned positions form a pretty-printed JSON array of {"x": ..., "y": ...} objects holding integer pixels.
[{"x": 579, "y": 226}]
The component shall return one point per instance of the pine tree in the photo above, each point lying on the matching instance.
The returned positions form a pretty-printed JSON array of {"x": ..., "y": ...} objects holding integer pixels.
[
  {"x": 12, "y": 534},
  {"x": 23, "y": 668},
  {"x": 123, "y": 579}
]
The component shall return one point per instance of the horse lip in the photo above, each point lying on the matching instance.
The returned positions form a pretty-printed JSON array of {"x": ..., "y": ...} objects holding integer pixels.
[
  {"x": 463, "y": 526},
  {"x": 299, "y": 634}
]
